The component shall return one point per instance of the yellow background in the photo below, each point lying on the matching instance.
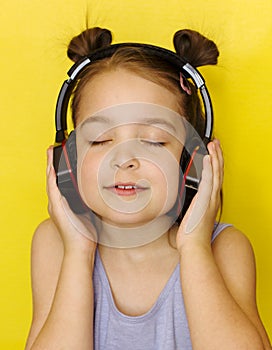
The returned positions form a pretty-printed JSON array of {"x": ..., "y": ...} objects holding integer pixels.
[{"x": 33, "y": 39}]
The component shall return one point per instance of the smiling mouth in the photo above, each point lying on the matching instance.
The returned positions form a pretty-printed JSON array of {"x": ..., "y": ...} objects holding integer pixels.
[{"x": 126, "y": 189}]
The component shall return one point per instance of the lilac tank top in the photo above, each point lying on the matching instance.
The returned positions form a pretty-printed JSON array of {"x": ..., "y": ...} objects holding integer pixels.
[{"x": 163, "y": 327}]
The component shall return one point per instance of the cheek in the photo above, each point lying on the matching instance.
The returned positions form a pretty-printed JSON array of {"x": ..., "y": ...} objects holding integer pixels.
[{"x": 165, "y": 180}]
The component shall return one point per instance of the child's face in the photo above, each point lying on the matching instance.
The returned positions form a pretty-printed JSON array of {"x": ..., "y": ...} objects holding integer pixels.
[{"x": 129, "y": 147}]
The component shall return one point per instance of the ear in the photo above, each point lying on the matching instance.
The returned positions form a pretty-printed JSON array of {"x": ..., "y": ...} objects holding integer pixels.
[{"x": 184, "y": 84}]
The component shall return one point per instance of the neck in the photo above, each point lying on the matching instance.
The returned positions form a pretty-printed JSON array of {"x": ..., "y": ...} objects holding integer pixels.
[
  {"x": 134, "y": 237},
  {"x": 151, "y": 251}
]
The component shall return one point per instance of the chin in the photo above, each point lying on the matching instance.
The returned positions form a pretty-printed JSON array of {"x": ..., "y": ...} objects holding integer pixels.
[{"x": 129, "y": 219}]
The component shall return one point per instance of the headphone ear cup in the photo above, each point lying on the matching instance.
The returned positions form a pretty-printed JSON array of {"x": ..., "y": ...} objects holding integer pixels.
[
  {"x": 71, "y": 150},
  {"x": 65, "y": 164},
  {"x": 187, "y": 191}
]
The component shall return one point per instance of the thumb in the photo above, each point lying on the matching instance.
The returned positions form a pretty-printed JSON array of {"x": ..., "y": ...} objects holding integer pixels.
[{"x": 201, "y": 200}]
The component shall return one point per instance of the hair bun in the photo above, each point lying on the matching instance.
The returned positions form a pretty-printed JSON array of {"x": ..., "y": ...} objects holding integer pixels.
[
  {"x": 195, "y": 48},
  {"x": 89, "y": 40}
]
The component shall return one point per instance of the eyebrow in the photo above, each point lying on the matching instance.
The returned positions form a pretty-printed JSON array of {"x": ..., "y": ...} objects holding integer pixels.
[
  {"x": 147, "y": 120},
  {"x": 96, "y": 119},
  {"x": 158, "y": 121}
]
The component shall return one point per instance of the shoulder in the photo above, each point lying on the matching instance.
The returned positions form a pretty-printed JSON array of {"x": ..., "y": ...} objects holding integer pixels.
[
  {"x": 47, "y": 245},
  {"x": 230, "y": 240},
  {"x": 46, "y": 232},
  {"x": 234, "y": 256},
  {"x": 235, "y": 259}
]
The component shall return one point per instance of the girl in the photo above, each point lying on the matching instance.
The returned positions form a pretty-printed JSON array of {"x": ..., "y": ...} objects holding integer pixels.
[{"x": 188, "y": 286}]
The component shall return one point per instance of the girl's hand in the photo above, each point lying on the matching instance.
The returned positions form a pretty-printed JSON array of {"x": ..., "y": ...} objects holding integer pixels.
[
  {"x": 198, "y": 222},
  {"x": 77, "y": 231}
]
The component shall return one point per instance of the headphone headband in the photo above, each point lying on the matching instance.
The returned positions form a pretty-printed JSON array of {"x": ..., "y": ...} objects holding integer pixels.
[{"x": 182, "y": 66}]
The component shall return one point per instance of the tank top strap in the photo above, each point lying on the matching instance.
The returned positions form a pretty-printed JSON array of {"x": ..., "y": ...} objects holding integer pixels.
[{"x": 218, "y": 228}]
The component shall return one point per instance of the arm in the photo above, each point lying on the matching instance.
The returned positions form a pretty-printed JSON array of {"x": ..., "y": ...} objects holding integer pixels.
[
  {"x": 58, "y": 283},
  {"x": 62, "y": 265},
  {"x": 219, "y": 294},
  {"x": 218, "y": 282}
]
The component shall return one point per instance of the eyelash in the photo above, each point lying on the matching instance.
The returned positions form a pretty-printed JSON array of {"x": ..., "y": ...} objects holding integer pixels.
[
  {"x": 98, "y": 143},
  {"x": 153, "y": 143},
  {"x": 148, "y": 142}
]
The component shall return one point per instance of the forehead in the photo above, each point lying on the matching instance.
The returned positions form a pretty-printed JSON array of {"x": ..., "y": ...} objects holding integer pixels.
[
  {"x": 118, "y": 87},
  {"x": 140, "y": 114}
]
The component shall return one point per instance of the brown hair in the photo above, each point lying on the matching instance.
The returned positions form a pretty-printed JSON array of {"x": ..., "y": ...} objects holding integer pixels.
[{"x": 194, "y": 47}]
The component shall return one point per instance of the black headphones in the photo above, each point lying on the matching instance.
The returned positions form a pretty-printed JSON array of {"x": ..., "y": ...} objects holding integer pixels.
[{"x": 65, "y": 156}]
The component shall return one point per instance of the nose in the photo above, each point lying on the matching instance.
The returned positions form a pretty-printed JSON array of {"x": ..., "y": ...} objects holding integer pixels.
[
  {"x": 121, "y": 163},
  {"x": 124, "y": 157}
]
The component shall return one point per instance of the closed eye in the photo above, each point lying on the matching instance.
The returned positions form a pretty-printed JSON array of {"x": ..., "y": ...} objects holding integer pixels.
[
  {"x": 153, "y": 143},
  {"x": 99, "y": 143}
]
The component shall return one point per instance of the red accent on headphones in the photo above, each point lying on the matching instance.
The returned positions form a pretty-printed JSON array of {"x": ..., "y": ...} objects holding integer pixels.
[
  {"x": 182, "y": 187},
  {"x": 64, "y": 149}
]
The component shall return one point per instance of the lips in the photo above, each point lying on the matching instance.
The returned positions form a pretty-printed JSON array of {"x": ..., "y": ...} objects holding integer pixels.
[{"x": 126, "y": 189}]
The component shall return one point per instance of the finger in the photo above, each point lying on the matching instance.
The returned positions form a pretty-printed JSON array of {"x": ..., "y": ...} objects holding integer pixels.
[
  {"x": 53, "y": 192},
  {"x": 221, "y": 159},
  {"x": 216, "y": 174},
  {"x": 48, "y": 168},
  {"x": 49, "y": 153},
  {"x": 201, "y": 203}
]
